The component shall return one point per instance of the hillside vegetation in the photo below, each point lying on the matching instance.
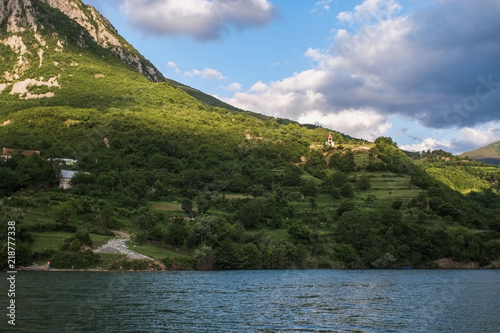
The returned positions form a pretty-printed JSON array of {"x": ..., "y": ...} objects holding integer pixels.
[{"x": 201, "y": 186}]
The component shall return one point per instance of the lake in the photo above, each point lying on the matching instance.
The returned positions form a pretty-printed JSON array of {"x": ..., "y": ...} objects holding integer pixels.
[{"x": 259, "y": 301}]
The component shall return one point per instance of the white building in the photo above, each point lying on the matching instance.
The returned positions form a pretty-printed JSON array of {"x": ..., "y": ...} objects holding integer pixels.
[
  {"x": 330, "y": 142},
  {"x": 65, "y": 179}
]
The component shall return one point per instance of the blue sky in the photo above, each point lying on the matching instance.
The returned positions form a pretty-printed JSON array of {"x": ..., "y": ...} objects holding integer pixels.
[{"x": 426, "y": 73}]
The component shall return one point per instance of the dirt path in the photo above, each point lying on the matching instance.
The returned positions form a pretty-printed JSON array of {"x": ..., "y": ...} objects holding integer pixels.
[{"x": 119, "y": 246}]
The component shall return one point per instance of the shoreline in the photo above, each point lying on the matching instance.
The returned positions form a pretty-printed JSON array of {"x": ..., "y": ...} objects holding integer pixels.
[
  {"x": 30, "y": 269},
  {"x": 441, "y": 264}
]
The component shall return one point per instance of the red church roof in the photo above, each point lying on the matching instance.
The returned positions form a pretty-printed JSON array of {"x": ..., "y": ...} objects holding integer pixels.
[{"x": 330, "y": 136}]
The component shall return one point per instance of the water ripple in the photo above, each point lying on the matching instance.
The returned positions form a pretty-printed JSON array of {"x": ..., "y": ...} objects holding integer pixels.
[{"x": 260, "y": 301}]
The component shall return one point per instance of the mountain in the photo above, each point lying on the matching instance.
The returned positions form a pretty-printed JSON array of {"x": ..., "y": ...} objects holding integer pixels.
[
  {"x": 489, "y": 154},
  {"x": 37, "y": 37},
  {"x": 81, "y": 24},
  {"x": 96, "y": 142}
]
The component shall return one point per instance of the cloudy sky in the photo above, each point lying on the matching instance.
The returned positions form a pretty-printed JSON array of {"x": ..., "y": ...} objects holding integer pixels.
[{"x": 426, "y": 73}]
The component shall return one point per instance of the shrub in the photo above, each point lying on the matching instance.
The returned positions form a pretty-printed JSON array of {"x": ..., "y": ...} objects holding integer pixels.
[
  {"x": 79, "y": 260},
  {"x": 179, "y": 263},
  {"x": 64, "y": 212},
  {"x": 50, "y": 227}
]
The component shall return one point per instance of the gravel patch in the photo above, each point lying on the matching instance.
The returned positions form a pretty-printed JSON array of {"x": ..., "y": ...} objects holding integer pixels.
[{"x": 119, "y": 246}]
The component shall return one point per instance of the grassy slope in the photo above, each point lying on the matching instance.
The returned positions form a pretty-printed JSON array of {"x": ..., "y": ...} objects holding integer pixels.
[
  {"x": 459, "y": 179},
  {"x": 202, "y": 97}
]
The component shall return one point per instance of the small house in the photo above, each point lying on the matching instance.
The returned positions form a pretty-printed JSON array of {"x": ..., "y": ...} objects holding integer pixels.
[
  {"x": 65, "y": 179},
  {"x": 8, "y": 153}
]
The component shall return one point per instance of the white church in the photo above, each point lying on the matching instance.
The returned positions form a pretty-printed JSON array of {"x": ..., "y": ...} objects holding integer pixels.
[{"x": 330, "y": 142}]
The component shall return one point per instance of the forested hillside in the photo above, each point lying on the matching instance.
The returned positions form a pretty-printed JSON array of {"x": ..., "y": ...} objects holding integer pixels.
[{"x": 200, "y": 186}]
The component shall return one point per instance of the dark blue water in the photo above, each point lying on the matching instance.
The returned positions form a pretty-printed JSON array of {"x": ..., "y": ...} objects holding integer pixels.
[{"x": 260, "y": 301}]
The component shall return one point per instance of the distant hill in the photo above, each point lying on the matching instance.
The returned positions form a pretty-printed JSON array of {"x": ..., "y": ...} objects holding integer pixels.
[{"x": 489, "y": 154}]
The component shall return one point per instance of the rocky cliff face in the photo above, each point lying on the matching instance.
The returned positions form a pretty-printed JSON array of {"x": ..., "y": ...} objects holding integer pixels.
[{"x": 17, "y": 16}]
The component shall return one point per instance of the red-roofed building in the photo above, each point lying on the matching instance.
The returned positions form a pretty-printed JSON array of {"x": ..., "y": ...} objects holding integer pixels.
[
  {"x": 330, "y": 142},
  {"x": 8, "y": 153}
]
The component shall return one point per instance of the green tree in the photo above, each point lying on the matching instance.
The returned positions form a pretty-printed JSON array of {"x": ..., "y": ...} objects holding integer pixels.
[
  {"x": 176, "y": 234},
  {"x": 309, "y": 188},
  {"x": 389, "y": 217},
  {"x": 84, "y": 238},
  {"x": 107, "y": 181},
  {"x": 276, "y": 255},
  {"x": 252, "y": 213},
  {"x": 187, "y": 205},
  {"x": 203, "y": 203},
  {"x": 250, "y": 256},
  {"x": 353, "y": 228},
  {"x": 385, "y": 141},
  {"x": 336, "y": 179},
  {"x": 64, "y": 212},
  {"x": 343, "y": 161},
  {"x": 313, "y": 204},
  {"x": 364, "y": 183},
  {"x": 447, "y": 209},
  {"x": 36, "y": 172},
  {"x": 347, "y": 191},
  {"x": 397, "y": 204},
  {"x": 316, "y": 164},
  {"x": 345, "y": 205},
  {"x": 204, "y": 258},
  {"x": 299, "y": 232},
  {"x": 228, "y": 255},
  {"x": 291, "y": 176},
  {"x": 386, "y": 261},
  {"x": 9, "y": 183},
  {"x": 205, "y": 229},
  {"x": 347, "y": 255}
]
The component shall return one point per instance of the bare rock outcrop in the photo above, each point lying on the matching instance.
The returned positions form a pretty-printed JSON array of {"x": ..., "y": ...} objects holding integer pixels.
[
  {"x": 18, "y": 15},
  {"x": 104, "y": 34},
  {"x": 21, "y": 15}
]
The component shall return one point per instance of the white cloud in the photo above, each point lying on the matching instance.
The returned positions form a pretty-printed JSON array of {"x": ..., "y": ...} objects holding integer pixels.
[
  {"x": 457, "y": 142},
  {"x": 206, "y": 73},
  {"x": 429, "y": 144},
  {"x": 345, "y": 16},
  {"x": 235, "y": 86},
  {"x": 480, "y": 136},
  {"x": 369, "y": 10},
  {"x": 174, "y": 66},
  {"x": 200, "y": 19},
  {"x": 417, "y": 66},
  {"x": 316, "y": 55},
  {"x": 358, "y": 123},
  {"x": 259, "y": 86},
  {"x": 288, "y": 98},
  {"x": 323, "y": 5}
]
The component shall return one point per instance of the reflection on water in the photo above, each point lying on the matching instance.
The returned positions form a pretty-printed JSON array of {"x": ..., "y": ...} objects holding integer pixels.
[{"x": 259, "y": 301}]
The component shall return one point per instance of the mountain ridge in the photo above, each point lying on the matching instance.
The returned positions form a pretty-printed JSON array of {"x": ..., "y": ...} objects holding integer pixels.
[
  {"x": 16, "y": 16},
  {"x": 488, "y": 154}
]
